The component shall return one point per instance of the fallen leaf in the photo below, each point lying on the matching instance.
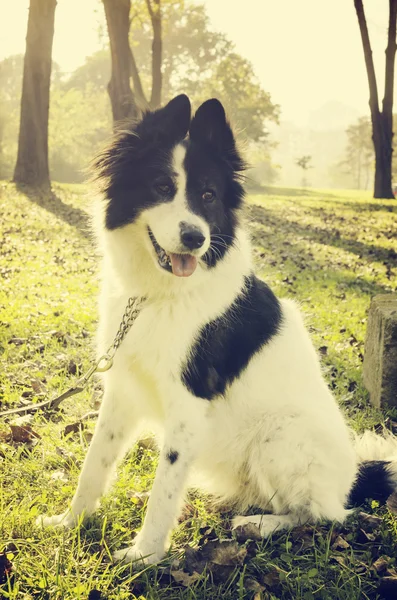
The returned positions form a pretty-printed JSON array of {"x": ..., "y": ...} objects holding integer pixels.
[
  {"x": 23, "y": 434},
  {"x": 218, "y": 557},
  {"x": 139, "y": 498},
  {"x": 392, "y": 503},
  {"x": 24, "y": 420},
  {"x": 340, "y": 543},
  {"x": 228, "y": 553},
  {"x": 370, "y": 521},
  {"x": 38, "y": 387},
  {"x": 59, "y": 476},
  {"x": 272, "y": 580},
  {"x": 380, "y": 565},
  {"x": 73, "y": 428},
  {"x": 184, "y": 578},
  {"x": 247, "y": 532},
  {"x": 253, "y": 585}
]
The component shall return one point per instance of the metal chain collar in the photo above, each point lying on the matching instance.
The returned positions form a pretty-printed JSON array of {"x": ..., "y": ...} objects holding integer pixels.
[{"x": 104, "y": 363}]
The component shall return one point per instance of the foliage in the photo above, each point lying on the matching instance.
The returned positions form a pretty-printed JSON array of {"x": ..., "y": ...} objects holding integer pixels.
[
  {"x": 80, "y": 121},
  {"x": 359, "y": 156},
  {"x": 261, "y": 169},
  {"x": 329, "y": 251},
  {"x": 196, "y": 61},
  {"x": 304, "y": 162}
]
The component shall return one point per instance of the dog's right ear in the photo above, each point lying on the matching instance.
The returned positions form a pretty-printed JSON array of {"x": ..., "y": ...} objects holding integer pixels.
[{"x": 170, "y": 123}]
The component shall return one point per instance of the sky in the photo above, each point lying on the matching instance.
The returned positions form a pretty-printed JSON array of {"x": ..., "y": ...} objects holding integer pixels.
[{"x": 306, "y": 53}]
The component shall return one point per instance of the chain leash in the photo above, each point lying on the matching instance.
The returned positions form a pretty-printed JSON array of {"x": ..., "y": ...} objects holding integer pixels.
[{"x": 104, "y": 363}]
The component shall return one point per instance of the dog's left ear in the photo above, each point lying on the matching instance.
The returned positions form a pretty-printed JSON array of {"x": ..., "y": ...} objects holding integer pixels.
[{"x": 210, "y": 126}]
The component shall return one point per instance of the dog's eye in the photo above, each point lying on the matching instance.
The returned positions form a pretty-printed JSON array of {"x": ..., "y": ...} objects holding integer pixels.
[
  {"x": 165, "y": 189},
  {"x": 208, "y": 196}
]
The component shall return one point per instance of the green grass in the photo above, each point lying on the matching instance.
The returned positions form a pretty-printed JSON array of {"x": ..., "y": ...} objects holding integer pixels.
[{"x": 331, "y": 251}]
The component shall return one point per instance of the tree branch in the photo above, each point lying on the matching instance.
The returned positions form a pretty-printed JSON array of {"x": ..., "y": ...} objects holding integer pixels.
[{"x": 373, "y": 88}]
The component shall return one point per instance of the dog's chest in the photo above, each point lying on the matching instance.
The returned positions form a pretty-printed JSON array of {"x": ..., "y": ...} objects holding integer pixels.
[{"x": 160, "y": 339}]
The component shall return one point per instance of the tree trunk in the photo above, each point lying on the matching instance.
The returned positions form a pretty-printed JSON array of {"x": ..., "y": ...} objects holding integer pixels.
[
  {"x": 121, "y": 96},
  {"x": 32, "y": 160},
  {"x": 157, "y": 52},
  {"x": 382, "y": 122}
]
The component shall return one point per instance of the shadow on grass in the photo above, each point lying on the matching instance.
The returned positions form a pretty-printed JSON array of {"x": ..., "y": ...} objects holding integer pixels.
[
  {"x": 367, "y": 207},
  {"x": 258, "y": 190},
  {"x": 326, "y": 237},
  {"x": 71, "y": 215}
]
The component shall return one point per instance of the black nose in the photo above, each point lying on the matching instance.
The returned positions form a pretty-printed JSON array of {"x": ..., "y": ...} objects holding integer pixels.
[{"x": 191, "y": 236}]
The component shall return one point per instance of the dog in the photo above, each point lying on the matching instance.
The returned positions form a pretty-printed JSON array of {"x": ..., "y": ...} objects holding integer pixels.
[{"x": 222, "y": 370}]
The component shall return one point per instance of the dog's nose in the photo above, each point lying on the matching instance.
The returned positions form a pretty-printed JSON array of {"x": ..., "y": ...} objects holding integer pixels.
[{"x": 192, "y": 237}]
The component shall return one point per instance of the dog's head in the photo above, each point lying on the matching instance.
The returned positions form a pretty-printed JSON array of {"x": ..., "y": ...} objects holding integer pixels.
[{"x": 178, "y": 180}]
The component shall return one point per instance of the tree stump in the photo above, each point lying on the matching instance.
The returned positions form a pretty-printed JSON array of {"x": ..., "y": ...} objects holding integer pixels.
[{"x": 380, "y": 354}]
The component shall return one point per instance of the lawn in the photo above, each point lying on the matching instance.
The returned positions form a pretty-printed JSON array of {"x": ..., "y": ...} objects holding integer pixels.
[{"x": 331, "y": 251}]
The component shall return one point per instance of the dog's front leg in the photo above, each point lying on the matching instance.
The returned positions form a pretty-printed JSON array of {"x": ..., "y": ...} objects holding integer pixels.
[
  {"x": 114, "y": 433},
  {"x": 185, "y": 424}
]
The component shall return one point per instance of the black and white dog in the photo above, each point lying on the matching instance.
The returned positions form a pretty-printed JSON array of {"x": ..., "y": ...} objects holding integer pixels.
[{"x": 215, "y": 363}]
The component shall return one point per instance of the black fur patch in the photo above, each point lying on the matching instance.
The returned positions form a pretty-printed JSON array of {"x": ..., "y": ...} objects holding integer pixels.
[
  {"x": 226, "y": 345},
  {"x": 138, "y": 159},
  {"x": 373, "y": 482},
  {"x": 172, "y": 456},
  {"x": 213, "y": 163}
]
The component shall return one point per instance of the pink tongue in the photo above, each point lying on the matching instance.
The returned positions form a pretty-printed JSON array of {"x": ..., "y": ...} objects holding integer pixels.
[{"x": 183, "y": 265}]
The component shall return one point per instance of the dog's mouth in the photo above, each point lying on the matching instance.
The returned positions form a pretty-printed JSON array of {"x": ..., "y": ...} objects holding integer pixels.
[{"x": 181, "y": 265}]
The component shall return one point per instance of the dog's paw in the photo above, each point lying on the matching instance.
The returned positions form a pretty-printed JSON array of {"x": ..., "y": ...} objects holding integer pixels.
[
  {"x": 65, "y": 519},
  {"x": 138, "y": 556},
  {"x": 265, "y": 524}
]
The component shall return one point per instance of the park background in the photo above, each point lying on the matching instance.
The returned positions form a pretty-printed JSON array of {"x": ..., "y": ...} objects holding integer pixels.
[{"x": 294, "y": 79}]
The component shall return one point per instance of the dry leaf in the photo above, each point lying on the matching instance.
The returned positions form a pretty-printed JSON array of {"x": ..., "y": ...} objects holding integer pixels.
[
  {"x": 370, "y": 521},
  {"x": 340, "y": 543},
  {"x": 139, "y": 498},
  {"x": 184, "y": 578},
  {"x": 24, "y": 420},
  {"x": 392, "y": 503},
  {"x": 228, "y": 553},
  {"x": 247, "y": 532},
  {"x": 272, "y": 579},
  {"x": 380, "y": 565},
  {"x": 73, "y": 428},
  {"x": 59, "y": 476},
  {"x": 23, "y": 434}
]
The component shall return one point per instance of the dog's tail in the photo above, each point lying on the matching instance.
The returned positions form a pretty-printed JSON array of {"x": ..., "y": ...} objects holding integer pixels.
[{"x": 377, "y": 471}]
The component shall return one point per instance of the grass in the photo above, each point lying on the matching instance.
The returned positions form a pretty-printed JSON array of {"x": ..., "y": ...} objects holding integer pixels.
[{"x": 331, "y": 251}]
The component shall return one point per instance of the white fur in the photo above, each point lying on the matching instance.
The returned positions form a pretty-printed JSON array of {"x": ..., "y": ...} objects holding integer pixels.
[{"x": 276, "y": 440}]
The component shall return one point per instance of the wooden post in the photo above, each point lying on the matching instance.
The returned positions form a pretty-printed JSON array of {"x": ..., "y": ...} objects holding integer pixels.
[{"x": 380, "y": 353}]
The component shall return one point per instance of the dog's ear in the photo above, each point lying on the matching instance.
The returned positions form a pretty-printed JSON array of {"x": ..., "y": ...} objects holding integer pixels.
[
  {"x": 210, "y": 126},
  {"x": 170, "y": 122}
]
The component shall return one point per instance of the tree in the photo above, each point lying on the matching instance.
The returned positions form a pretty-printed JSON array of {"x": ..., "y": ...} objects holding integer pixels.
[
  {"x": 195, "y": 60},
  {"x": 304, "y": 163},
  {"x": 32, "y": 160},
  {"x": 382, "y": 121},
  {"x": 359, "y": 154},
  {"x": 124, "y": 101},
  {"x": 121, "y": 96}
]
